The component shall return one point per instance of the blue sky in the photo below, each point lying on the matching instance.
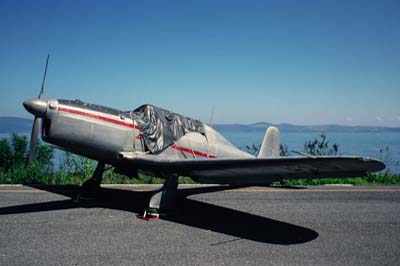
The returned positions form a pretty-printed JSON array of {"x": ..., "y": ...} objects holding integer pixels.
[{"x": 301, "y": 62}]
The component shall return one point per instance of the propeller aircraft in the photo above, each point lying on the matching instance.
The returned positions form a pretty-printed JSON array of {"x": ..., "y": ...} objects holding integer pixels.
[{"x": 161, "y": 143}]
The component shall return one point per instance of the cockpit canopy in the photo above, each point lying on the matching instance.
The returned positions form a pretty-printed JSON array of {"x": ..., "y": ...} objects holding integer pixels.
[{"x": 161, "y": 128}]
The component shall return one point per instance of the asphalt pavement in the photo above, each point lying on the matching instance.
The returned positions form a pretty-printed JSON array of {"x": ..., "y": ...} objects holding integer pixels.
[{"x": 213, "y": 225}]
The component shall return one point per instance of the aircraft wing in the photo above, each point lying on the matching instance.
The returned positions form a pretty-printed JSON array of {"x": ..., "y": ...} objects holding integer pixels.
[{"x": 256, "y": 170}]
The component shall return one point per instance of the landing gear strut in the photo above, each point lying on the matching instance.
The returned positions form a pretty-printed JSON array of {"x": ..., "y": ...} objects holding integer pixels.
[
  {"x": 163, "y": 200},
  {"x": 92, "y": 186}
]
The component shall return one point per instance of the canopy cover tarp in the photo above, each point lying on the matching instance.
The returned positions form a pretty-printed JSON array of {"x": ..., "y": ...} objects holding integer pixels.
[{"x": 161, "y": 128}]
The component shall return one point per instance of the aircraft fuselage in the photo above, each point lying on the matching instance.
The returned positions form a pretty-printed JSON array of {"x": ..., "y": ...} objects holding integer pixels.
[{"x": 103, "y": 133}]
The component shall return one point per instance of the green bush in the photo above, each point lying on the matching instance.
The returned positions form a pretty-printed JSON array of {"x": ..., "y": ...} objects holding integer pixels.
[
  {"x": 320, "y": 146},
  {"x": 13, "y": 158}
]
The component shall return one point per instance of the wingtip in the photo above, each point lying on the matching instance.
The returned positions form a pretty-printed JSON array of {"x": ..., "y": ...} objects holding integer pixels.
[{"x": 374, "y": 165}]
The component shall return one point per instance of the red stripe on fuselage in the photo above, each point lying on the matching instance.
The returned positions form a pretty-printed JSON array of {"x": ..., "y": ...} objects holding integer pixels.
[
  {"x": 98, "y": 117},
  {"x": 125, "y": 124},
  {"x": 198, "y": 153}
]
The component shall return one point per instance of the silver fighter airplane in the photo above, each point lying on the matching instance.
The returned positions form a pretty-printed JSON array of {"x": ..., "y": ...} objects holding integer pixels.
[{"x": 161, "y": 143}]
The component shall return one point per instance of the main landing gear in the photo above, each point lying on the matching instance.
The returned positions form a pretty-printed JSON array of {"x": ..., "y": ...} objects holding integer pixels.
[
  {"x": 91, "y": 187},
  {"x": 163, "y": 200}
]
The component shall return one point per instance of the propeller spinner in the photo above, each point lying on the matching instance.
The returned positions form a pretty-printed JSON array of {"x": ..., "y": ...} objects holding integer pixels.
[{"x": 38, "y": 108}]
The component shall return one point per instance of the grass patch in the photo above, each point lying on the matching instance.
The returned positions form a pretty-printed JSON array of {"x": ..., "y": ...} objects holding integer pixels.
[
  {"x": 385, "y": 178},
  {"x": 34, "y": 174}
]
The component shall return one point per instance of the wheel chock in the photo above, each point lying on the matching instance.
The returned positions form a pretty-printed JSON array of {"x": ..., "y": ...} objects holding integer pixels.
[{"x": 149, "y": 214}]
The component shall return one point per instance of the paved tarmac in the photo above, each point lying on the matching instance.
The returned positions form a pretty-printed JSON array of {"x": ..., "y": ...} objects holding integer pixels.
[{"x": 212, "y": 226}]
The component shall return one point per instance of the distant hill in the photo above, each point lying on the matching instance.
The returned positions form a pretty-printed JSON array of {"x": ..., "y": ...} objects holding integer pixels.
[
  {"x": 24, "y": 125},
  {"x": 15, "y": 124}
]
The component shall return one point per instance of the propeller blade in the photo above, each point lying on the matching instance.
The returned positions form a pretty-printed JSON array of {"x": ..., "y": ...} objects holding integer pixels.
[
  {"x": 34, "y": 139},
  {"x": 44, "y": 77},
  {"x": 32, "y": 107}
]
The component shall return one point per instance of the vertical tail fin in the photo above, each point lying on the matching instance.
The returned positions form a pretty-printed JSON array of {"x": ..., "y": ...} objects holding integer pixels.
[{"x": 270, "y": 146}]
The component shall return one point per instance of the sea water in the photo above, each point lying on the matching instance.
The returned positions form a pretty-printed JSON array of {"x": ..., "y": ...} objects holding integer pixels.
[{"x": 380, "y": 145}]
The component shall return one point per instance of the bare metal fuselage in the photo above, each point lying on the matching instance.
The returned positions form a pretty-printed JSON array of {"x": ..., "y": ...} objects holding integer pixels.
[{"x": 105, "y": 134}]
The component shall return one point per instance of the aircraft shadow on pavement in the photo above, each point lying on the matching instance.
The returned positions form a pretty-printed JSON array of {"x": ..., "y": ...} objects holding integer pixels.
[{"x": 189, "y": 212}]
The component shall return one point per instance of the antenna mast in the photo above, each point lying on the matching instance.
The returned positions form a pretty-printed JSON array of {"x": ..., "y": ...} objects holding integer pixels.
[{"x": 212, "y": 116}]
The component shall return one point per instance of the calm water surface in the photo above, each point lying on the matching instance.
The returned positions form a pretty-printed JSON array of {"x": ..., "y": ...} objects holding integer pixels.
[{"x": 360, "y": 144}]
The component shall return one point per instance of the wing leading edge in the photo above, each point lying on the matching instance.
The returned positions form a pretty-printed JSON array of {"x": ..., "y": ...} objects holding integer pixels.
[{"x": 256, "y": 170}]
